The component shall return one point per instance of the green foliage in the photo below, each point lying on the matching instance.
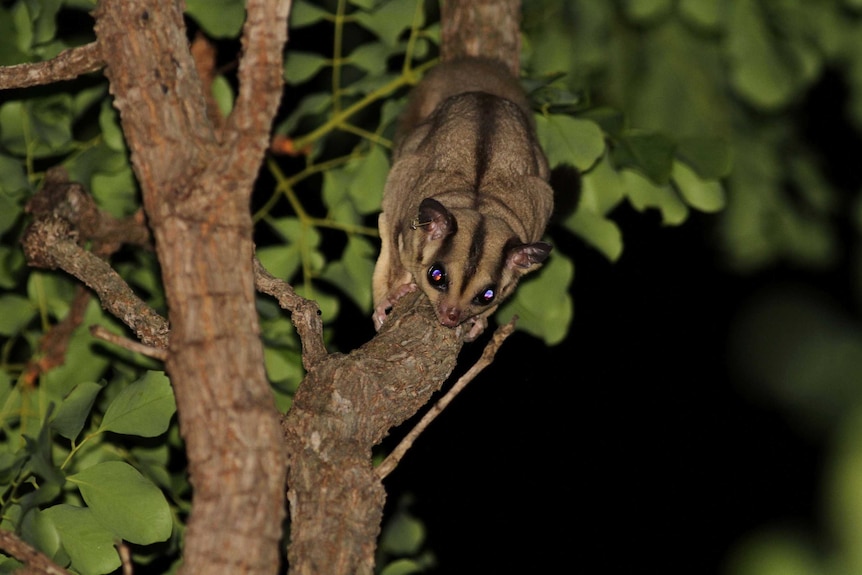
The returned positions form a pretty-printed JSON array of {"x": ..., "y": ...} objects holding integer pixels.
[
  {"x": 73, "y": 497},
  {"x": 401, "y": 548},
  {"x": 664, "y": 106},
  {"x": 731, "y": 75}
]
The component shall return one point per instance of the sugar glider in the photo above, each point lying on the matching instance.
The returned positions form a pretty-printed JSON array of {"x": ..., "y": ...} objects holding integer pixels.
[{"x": 467, "y": 198}]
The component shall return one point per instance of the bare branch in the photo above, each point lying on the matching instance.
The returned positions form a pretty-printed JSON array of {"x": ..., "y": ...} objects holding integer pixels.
[
  {"x": 35, "y": 562},
  {"x": 65, "y": 216},
  {"x": 487, "y": 358},
  {"x": 102, "y": 333},
  {"x": 261, "y": 78},
  {"x": 67, "y": 65},
  {"x": 304, "y": 313},
  {"x": 51, "y": 242}
]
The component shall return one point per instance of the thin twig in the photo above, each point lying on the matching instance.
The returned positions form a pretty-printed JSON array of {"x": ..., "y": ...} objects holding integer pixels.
[
  {"x": 125, "y": 557},
  {"x": 487, "y": 358},
  {"x": 52, "y": 243},
  {"x": 67, "y": 65},
  {"x": 35, "y": 561},
  {"x": 304, "y": 313},
  {"x": 102, "y": 333}
]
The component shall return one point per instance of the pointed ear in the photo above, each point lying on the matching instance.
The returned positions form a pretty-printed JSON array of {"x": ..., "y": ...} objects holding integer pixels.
[
  {"x": 525, "y": 256},
  {"x": 434, "y": 219}
]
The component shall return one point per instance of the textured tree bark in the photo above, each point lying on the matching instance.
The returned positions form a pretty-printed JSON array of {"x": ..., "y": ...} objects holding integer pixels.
[
  {"x": 489, "y": 28},
  {"x": 196, "y": 183},
  {"x": 196, "y": 179},
  {"x": 347, "y": 404}
]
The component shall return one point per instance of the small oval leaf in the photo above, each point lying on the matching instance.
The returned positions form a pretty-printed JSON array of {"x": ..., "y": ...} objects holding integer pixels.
[
  {"x": 568, "y": 140},
  {"x": 88, "y": 543},
  {"x": 125, "y": 502},
  {"x": 144, "y": 408}
]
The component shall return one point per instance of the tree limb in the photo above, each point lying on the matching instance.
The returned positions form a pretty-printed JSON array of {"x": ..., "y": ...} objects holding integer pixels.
[
  {"x": 196, "y": 184},
  {"x": 66, "y": 216},
  {"x": 35, "y": 562},
  {"x": 304, "y": 313},
  {"x": 67, "y": 65},
  {"x": 487, "y": 359}
]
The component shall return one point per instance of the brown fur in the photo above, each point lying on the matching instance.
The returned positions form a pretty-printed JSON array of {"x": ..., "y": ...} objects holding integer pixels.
[{"x": 467, "y": 193}]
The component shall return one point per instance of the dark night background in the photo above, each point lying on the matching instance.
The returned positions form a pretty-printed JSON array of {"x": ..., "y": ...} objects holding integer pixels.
[
  {"x": 626, "y": 445},
  {"x": 631, "y": 443}
]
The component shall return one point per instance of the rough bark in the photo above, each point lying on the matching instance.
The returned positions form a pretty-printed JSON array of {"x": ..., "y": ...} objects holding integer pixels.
[
  {"x": 196, "y": 177},
  {"x": 196, "y": 185},
  {"x": 489, "y": 28},
  {"x": 347, "y": 404}
]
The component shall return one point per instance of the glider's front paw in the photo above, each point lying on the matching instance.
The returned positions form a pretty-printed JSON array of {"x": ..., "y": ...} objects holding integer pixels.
[{"x": 384, "y": 307}]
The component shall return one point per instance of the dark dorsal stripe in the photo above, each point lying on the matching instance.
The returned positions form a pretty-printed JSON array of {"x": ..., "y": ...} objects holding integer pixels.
[
  {"x": 475, "y": 252},
  {"x": 487, "y": 128}
]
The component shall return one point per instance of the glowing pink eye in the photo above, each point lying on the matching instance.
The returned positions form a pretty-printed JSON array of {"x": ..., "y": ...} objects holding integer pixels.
[
  {"x": 437, "y": 276},
  {"x": 485, "y": 297}
]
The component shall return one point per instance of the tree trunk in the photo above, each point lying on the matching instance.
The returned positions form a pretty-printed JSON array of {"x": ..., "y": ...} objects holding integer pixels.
[
  {"x": 489, "y": 28},
  {"x": 196, "y": 184},
  {"x": 196, "y": 179},
  {"x": 347, "y": 404}
]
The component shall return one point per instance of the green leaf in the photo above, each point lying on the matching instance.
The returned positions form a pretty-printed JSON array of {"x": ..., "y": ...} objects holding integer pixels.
[
  {"x": 705, "y": 13},
  {"x": 650, "y": 152},
  {"x": 50, "y": 291},
  {"x": 299, "y": 67},
  {"x": 283, "y": 261},
  {"x": 219, "y": 18},
  {"x": 329, "y": 305},
  {"x": 710, "y": 157},
  {"x": 369, "y": 178},
  {"x": 51, "y": 123},
  {"x": 311, "y": 105},
  {"x": 110, "y": 125},
  {"x": 153, "y": 462},
  {"x": 703, "y": 195},
  {"x": 568, "y": 140},
  {"x": 85, "y": 99},
  {"x": 13, "y": 187},
  {"x": 125, "y": 502},
  {"x": 389, "y": 20},
  {"x": 403, "y": 535},
  {"x": 144, "y": 408},
  {"x": 15, "y": 313},
  {"x": 598, "y": 231},
  {"x": 283, "y": 367},
  {"x": 759, "y": 71},
  {"x": 39, "y": 531},
  {"x": 116, "y": 192},
  {"x": 542, "y": 302},
  {"x": 70, "y": 417},
  {"x": 83, "y": 361},
  {"x": 371, "y": 57},
  {"x": 404, "y": 567},
  {"x": 41, "y": 460},
  {"x": 304, "y": 13},
  {"x": 10, "y": 465},
  {"x": 357, "y": 187},
  {"x": 88, "y": 543},
  {"x": 11, "y": 263},
  {"x": 352, "y": 273},
  {"x": 647, "y": 11},
  {"x": 643, "y": 194},
  {"x": 602, "y": 188},
  {"x": 223, "y": 94},
  {"x": 15, "y": 35}
]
